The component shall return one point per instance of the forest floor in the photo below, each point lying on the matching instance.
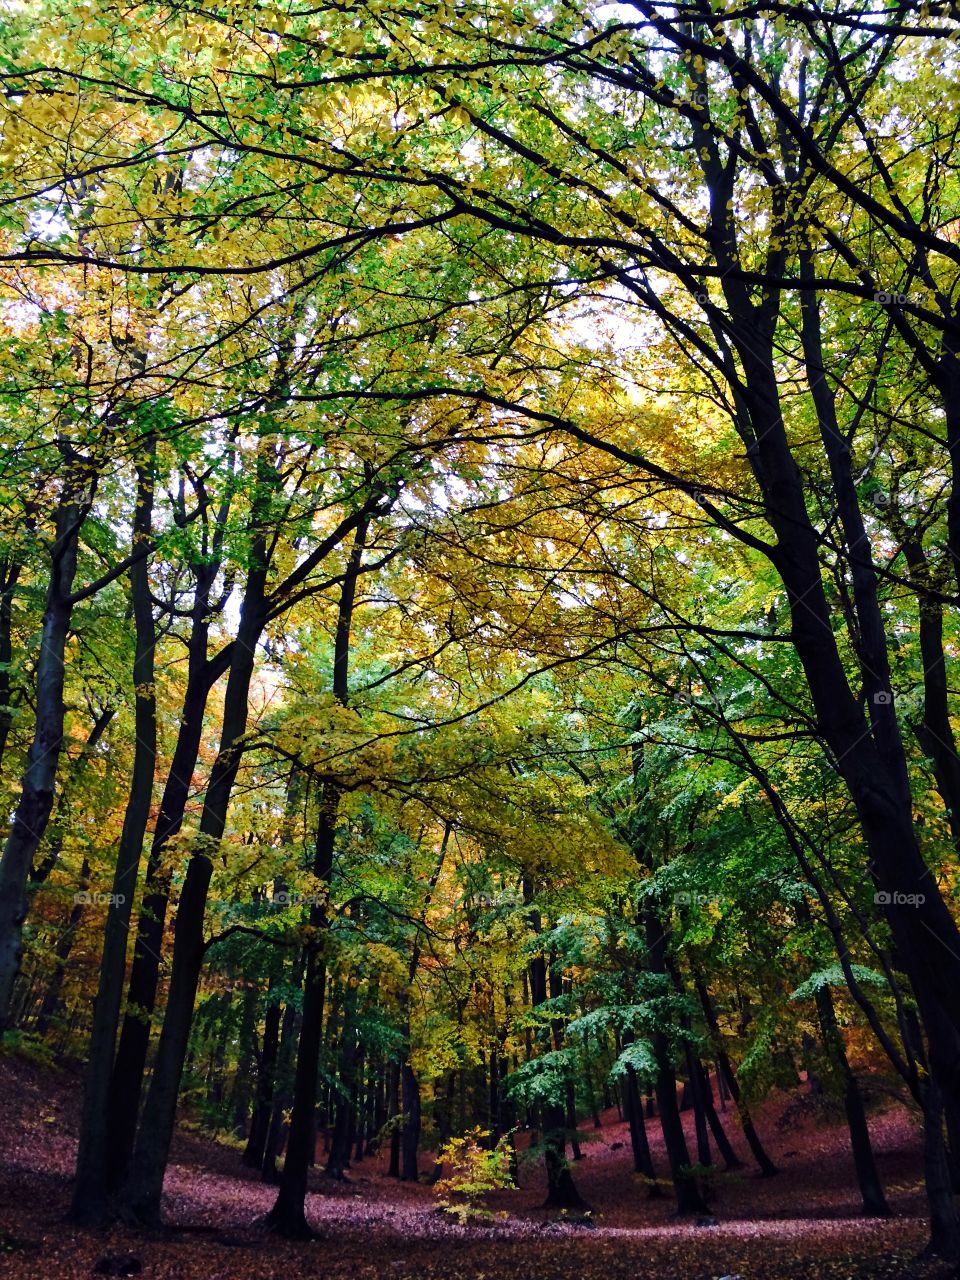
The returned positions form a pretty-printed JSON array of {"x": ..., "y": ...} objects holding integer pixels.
[{"x": 800, "y": 1225}]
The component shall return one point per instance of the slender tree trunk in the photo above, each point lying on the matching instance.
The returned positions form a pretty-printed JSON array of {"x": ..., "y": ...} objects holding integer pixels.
[
  {"x": 339, "y": 1160},
  {"x": 144, "y": 1184},
  {"x": 91, "y": 1185},
  {"x": 288, "y": 1217},
  {"x": 933, "y": 728},
  {"x": 219, "y": 1025},
  {"x": 409, "y": 1136},
  {"x": 62, "y": 815},
  {"x": 493, "y": 1094},
  {"x": 266, "y": 1061},
  {"x": 393, "y": 1090},
  {"x": 633, "y": 1109},
  {"x": 263, "y": 1096},
  {"x": 126, "y": 1084},
  {"x": 444, "y": 1119},
  {"x": 725, "y": 1072},
  {"x": 9, "y": 575},
  {"x": 591, "y": 1092},
  {"x": 378, "y": 1085},
  {"x": 410, "y": 1140},
  {"x": 283, "y": 1093},
  {"x": 695, "y": 1082},
  {"x": 362, "y": 1108},
  {"x": 948, "y": 383},
  {"x": 689, "y": 1199},
  {"x": 562, "y": 1192},
  {"x": 556, "y": 988},
  {"x": 37, "y": 788},
  {"x": 723, "y": 1092},
  {"x": 868, "y": 1179},
  {"x": 243, "y": 1092},
  {"x": 730, "y": 1158},
  {"x": 68, "y": 936},
  {"x": 944, "y": 1230}
]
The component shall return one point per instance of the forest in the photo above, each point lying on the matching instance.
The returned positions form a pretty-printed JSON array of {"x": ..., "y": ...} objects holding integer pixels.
[{"x": 479, "y": 601}]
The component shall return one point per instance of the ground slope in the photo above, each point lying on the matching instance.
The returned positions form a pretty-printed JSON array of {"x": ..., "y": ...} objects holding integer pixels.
[{"x": 802, "y": 1223}]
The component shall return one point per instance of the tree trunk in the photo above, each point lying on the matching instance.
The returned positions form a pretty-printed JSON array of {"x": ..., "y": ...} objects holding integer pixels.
[
  {"x": 591, "y": 1092},
  {"x": 633, "y": 1109},
  {"x": 263, "y": 1096},
  {"x": 948, "y": 383},
  {"x": 37, "y": 788},
  {"x": 362, "y": 1108},
  {"x": 410, "y": 1139},
  {"x": 933, "y": 728},
  {"x": 126, "y": 1083},
  {"x": 144, "y": 1184},
  {"x": 10, "y": 571},
  {"x": 868, "y": 748},
  {"x": 91, "y": 1184},
  {"x": 685, "y": 1187},
  {"x": 339, "y": 1160},
  {"x": 868, "y": 1179},
  {"x": 283, "y": 1092},
  {"x": 444, "y": 1119},
  {"x": 944, "y": 1226},
  {"x": 725, "y": 1073},
  {"x": 378, "y": 1085},
  {"x": 243, "y": 1094},
  {"x": 695, "y": 1083},
  {"x": 562, "y": 1192},
  {"x": 689, "y": 1199},
  {"x": 393, "y": 1169},
  {"x": 730, "y": 1158},
  {"x": 62, "y": 815},
  {"x": 68, "y": 936},
  {"x": 287, "y": 1217}
]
